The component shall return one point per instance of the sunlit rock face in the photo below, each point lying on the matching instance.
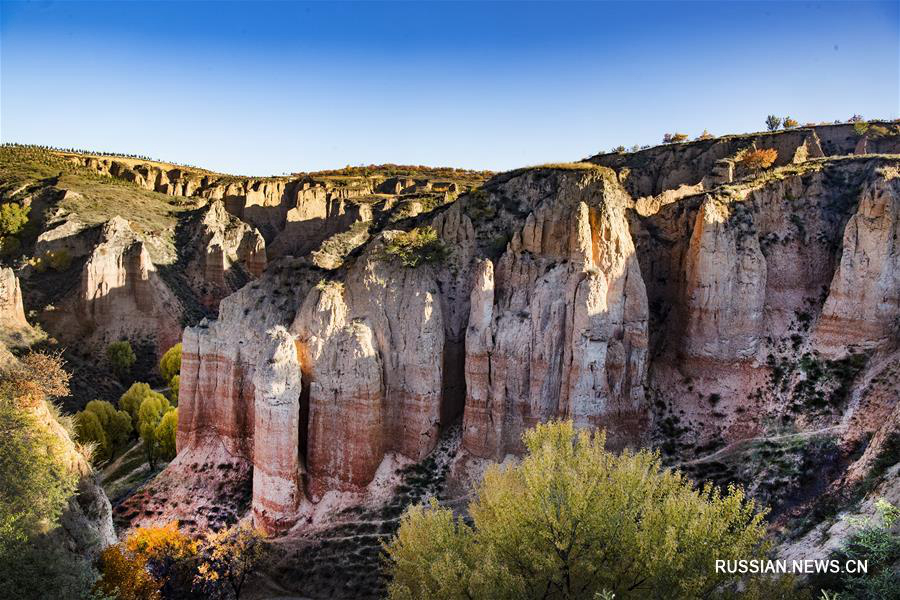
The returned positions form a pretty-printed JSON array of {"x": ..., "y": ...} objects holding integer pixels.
[
  {"x": 119, "y": 295},
  {"x": 662, "y": 319}
]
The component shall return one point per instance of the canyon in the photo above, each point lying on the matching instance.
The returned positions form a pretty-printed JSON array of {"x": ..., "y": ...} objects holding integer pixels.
[{"x": 745, "y": 322}]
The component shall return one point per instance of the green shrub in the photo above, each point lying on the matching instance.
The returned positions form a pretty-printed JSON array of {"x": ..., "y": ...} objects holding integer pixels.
[
  {"x": 90, "y": 431},
  {"x": 417, "y": 246},
  {"x": 13, "y": 217},
  {"x": 36, "y": 474},
  {"x": 170, "y": 363},
  {"x": 879, "y": 546},
  {"x": 115, "y": 424},
  {"x": 150, "y": 415},
  {"x": 773, "y": 122},
  {"x": 165, "y": 434},
  {"x": 860, "y": 128},
  {"x": 174, "y": 385},
  {"x": 132, "y": 399},
  {"x": 121, "y": 357},
  {"x": 577, "y": 520}
]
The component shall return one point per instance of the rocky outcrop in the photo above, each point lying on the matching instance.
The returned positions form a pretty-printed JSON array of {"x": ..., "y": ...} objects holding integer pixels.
[
  {"x": 224, "y": 254},
  {"x": 15, "y": 331},
  {"x": 561, "y": 331},
  {"x": 11, "y": 307},
  {"x": 689, "y": 304},
  {"x": 864, "y": 296},
  {"x": 373, "y": 350},
  {"x": 120, "y": 295}
]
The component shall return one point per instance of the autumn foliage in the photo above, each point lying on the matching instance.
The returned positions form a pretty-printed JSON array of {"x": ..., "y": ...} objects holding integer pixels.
[
  {"x": 756, "y": 160},
  {"x": 160, "y": 563}
]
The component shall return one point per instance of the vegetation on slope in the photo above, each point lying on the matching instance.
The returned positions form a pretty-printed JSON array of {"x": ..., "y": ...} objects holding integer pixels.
[{"x": 575, "y": 521}]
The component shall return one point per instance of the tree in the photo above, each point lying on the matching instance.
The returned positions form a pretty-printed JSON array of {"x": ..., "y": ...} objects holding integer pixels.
[
  {"x": 132, "y": 399},
  {"x": 153, "y": 562},
  {"x": 149, "y": 416},
  {"x": 170, "y": 363},
  {"x": 90, "y": 431},
  {"x": 773, "y": 122},
  {"x": 35, "y": 479},
  {"x": 227, "y": 558},
  {"x": 125, "y": 576},
  {"x": 756, "y": 160},
  {"x": 677, "y": 138},
  {"x": 174, "y": 386},
  {"x": 36, "y": 483},
  {"x": 116, "y": 424},
  {"x": 572, "y": 520},
  {"x": 13, "y": 217},
  {"x": 417, "y": 246},
  {"x": 165, "y": 434},
  {"x": 706, "y": 135},
  {"x": 121, "y": 357},
  {"x": 790, "y": 123}
]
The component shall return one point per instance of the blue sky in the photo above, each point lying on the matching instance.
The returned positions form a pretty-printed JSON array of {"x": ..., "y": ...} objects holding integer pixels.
[{"x": 266, "y": 88}]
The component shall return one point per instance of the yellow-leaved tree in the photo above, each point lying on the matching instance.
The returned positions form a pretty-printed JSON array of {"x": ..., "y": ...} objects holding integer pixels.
[{"x": 573, "y": 520}]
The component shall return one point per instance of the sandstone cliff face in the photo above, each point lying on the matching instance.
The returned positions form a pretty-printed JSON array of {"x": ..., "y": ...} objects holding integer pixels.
[
  {"x": 741, "y": 285},
  {"x": 687, "y": 304},
  {"x": 864, "y": 297},
  {"x": 12, "y": 312},
  {"x": 120, "y": 295},
  {"x": 561, "y": 331},
  {"x": 385, "y": 394},
  {"x": 225, "y": 253}
]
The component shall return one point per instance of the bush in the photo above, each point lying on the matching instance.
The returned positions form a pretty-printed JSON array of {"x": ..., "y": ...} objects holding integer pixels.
[
  {"x": 165, "y": 434},
  {"x": 153, "y": 562},
  {"x": 170, "y": 363},
  {"x": 673, "y": 138},
  {"x": 174, "y": 386},
  {"x": 705, "y": 135},
  {"x": 773, "y": 123},
  {"x": 150, "y": 415},
  {"x": 121, "y": 357},
  {"x": 575, "y": 519},
  {"x": 227, "y": 558},
  {"x": 115, "y": 426},
  {"x": 756, "y": 160},
  {"x": 90, "y": 431},
  {"x": 132, "y": 399},
  {"x": 13, "y": 217},
  {"x": 790, "y": 123},
  {"x": 36, "y": 481},
  {"x": 860, "y": 128},
  {"x": 880, "y": 548},
  {"x": 416, "y": 247}
]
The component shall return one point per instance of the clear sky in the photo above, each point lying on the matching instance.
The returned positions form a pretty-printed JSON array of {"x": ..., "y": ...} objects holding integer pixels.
[{"x": 266, "y": 88}]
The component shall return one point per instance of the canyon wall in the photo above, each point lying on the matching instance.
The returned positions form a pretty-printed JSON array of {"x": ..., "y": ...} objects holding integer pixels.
[{"x": 688, "y": 306}]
